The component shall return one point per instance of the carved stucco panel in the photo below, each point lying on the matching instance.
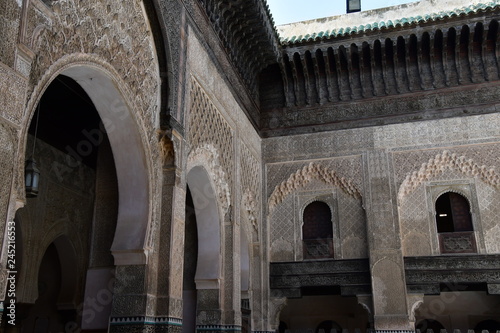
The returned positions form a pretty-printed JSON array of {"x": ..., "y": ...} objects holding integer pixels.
[
  {"x": 303, "y": 176},
  {"x": 207, "y": 156},
  {"x": 250, "y": 174},
  {"x": 117, "y": 32},
  {"x": 307, "y": 182},
  {"x": 12, "y": 93},
  {"x": 454, "y": 168},
  {"x": 7, "y": 151}
]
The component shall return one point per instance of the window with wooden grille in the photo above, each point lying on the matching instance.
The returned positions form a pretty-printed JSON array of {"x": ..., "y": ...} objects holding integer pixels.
[
  {"x": 454, "y": 224},
  {"x": 317, "y": 231}
]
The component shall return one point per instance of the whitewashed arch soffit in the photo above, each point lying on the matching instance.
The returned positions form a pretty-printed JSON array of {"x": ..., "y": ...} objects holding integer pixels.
[
  {"x": 208, "y": 223},
  {"x": 208, "y": 157}
]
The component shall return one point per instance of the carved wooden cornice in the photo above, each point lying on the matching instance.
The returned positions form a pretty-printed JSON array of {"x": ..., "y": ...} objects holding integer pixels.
[
  {"x": 431, "y": 275},
  {"x": 352, "y": 277},
  {"x": 247, "y": 32},
  {"x": 424, "y": 275},
  {"x": 379, "y": 76}
]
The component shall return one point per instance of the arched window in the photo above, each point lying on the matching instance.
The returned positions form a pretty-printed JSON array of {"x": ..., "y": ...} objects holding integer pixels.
[
  {"x": 317, "y": 231},
  {"x": 454, "y": 224}
]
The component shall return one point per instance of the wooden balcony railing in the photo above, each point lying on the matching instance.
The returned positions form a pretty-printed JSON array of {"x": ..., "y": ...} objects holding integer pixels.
[
  {"x": 457, "y": 242},
  {"x": 320, "y": 248}
]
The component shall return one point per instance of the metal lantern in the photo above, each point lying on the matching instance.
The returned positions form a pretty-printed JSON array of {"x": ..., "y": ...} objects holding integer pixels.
[
  {"x": 32, "y": 177},
  {"x": 353, "y": 6}
]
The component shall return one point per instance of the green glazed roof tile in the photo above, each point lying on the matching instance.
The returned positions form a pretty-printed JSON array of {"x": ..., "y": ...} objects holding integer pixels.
[{"x": 327, "y": 33}]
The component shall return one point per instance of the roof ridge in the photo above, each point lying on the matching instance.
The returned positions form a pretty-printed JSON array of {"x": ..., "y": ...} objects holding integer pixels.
[{"x": 390, "y": 23}]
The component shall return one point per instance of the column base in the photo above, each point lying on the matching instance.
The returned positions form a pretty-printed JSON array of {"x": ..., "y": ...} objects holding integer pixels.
[
  {"x": 217, "y": 328},
  {"x": 142, "y": 324},
  {"x": 398, "y": 323}
]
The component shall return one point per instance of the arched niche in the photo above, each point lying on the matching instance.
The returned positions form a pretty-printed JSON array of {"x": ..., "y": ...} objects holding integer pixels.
[
  {"x": 69, "y": 273},
  {"x": 57, "y": 302},
  {"x": 208, "y": 226}
]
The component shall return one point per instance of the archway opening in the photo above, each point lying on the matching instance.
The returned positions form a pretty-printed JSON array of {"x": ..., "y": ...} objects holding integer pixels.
[
  {"x": 489, "y": 325},
  {"x": 189, "y": 298},
  {"x": 322, "y": 313},
  {"x": 202, "y": 247},
  {"x": 54, "y": 308},
  {"x": 246, "y": 310},
  {"x": 77, "y": 205},
  {"x": 449, "y": 309},
  {"x": 123, "y": 131},
  {"x": 453, "y": 213}
]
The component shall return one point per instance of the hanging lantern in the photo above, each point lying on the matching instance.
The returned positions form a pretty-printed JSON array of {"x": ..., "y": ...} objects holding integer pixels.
[
  {"x": 353, "y": 6},
  {"x": 31, "y": 172},
  {"x": 32, "y": 176}
]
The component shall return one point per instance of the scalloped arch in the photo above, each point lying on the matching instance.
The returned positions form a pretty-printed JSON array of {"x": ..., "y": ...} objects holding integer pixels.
[
  {"x": 300, "y": 178},
  {"x": 443, "y": 161}
]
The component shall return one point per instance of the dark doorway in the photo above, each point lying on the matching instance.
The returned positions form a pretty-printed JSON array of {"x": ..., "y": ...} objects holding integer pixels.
[
  {"x": 489, "y": 325},
  {"x": 190, "y": 264}
]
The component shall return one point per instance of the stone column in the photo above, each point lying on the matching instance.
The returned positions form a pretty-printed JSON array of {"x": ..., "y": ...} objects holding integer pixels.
[
  {"x": 149, "y": 297},
  {"x": 386, "y": 259},
  {"x": 258, "y": 318},
  {"x": 232, "y": 273},
  {"x": 171, "y": 236},
  {"x": 132, "y": 310},
  {"x": 218, "y": 301},
  {"x": 209, "y": 315}
]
